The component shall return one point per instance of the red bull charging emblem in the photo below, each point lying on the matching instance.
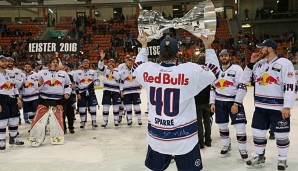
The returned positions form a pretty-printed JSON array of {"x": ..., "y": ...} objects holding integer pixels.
[
  {"x": 54, "y": 82},
  {"x": 266, "y": 79},
  {"x": 223, "y": 84},
  {"x": 7, "y": 85}
]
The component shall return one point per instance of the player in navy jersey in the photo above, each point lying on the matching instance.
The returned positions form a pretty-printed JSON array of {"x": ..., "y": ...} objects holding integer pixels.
[{"x": 172, "y": 119}]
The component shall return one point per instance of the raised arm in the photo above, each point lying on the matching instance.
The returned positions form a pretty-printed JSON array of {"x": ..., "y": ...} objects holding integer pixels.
[
  {"x": 142, "y": 56},
  {"x": 211, "y": 58}
]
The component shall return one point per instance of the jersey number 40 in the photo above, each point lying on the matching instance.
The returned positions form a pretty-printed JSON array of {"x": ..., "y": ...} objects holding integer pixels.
[{"x": 166, "y": 100}]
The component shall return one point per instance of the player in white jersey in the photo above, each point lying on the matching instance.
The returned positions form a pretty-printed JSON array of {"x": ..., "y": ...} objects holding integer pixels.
[
  {"x": 123, "y": 65},
  {"x": 130, "y": 92},
  {"x": 84, "y": 79},
  {"x": 111, "y": 90},
  {"x": 9, "y": 103},
  {"x": 226, "y": 100},
  {"x": 122, "y": 109},
  {"x": 53, "y": 85},
  {"x": 16, "y": 76},
  {"x": 172, "y": 127},
  {"x": 275, "y": 93},
  {"x": 29, "y": 94}
]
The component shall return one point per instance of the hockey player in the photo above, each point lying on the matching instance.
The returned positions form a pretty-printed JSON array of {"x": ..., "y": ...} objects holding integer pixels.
[
  {"x": 130, "y": 92},
  {"x": 226, "y": 100},
  {"x": 9, "y": 104},
  {"x": 275, "y": 93},
  {"x": 123, "y": 65},
  {"x": 29, "y": 94},
  {"x": 111, "y": 90},
  {"x": 122, "y": 109},
  {"x": 172, "y": 127},
  {"x": 16, "y": 76},
  {"x": 84, "y": 79},
  {"x": 36, "y": 67},
  {"x": 53, "y": 85}
]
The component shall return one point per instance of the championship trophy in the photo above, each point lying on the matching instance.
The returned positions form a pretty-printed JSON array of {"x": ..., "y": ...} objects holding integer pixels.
[{"x": 201, "y": 20}]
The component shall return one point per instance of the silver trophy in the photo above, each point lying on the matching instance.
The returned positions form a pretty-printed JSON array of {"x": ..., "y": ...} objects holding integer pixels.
[{"x": 201, "y": 20}]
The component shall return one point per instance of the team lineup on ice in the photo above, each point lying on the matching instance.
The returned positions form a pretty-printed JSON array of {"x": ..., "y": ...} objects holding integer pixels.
[
  {"x": 169, "y": 90},
  {"x": 95, "y": 109}
]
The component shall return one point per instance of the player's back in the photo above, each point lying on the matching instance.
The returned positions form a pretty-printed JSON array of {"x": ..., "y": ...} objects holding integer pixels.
[{"x": 172, "y": 116}]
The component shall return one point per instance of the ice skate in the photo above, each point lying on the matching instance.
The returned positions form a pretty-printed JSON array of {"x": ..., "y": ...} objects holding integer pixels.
[
  {"x": 2, "y": 145},
  {"x": 15, "y": 141},
  {"x": 257, "y": 161},
  {"x": 243, "y": 154},
  {"x": 104, "y": 124},
  {"x": 116, "y": 123},
  {"x": 129, "y": 123},
  {"x": 139, "y": 122},
  {"x": 282, "y": 164},
  {"x": 94, "y": 125},
  {"x": 120, "y": 119},
  {"x": 82, "y": 126},
  {"x": 225, "y": 150}
]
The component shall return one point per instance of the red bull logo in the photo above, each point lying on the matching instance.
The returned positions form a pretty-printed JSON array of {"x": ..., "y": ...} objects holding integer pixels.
[
  {"x": 223, "y": 84},
  {"x": 110, "y": 77},
  {"x": 267, "y": 79},
  {"x": 7, "y": 85},
  {"x": 86, "y": 80},
  {"x": 54, "y": 82},
  {"x": 130, "y": 78},
  {"x": 28, "y": 84}
]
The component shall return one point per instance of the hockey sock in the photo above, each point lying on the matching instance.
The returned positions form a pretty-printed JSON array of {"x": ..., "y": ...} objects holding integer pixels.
[
  {"x": 224, "y": 134},
  {"x": 3, "y": 125},
  {"x": 283, "y": 143},
  {"x": 13, "y": 125},
  {"x": 129, "y": 113},
  {"x": 121, "y": 109},
  {"x": 260, "y": 140},
  {"x": 31, "y": 115},
  {"x": 83, "y": 113},
  {"x": 93, "y": 113},
  {"x": 105, "y": 113},
  {"x": 116, "y": 113},
  {"x": 137, "y": 109},
  {"x": 241, "y": 135}
]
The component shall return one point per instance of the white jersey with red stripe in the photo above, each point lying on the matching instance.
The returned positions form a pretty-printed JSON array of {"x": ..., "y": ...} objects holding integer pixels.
[
  {"x": 84, "y": 79},
  {"x": 228, "y": 85},
  {"x": 16, "y": 75},
  {"x": 172, "y": 127},
  {"x": 7, "y": 86},
  {"x": 275, "y": 83},
  {"x": 28, "y": 91},
  {"x": 128, "y": 83},
  {"x": 121, "y": 67},
  {"x": 111, "y": 80},
  {"x": 55, "y": 84}
]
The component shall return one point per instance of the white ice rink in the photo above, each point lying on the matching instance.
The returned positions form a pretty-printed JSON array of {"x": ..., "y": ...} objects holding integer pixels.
[{"x": 124, "y": 149}]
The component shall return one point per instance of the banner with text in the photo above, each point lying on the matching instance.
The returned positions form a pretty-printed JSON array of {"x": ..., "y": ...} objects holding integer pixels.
[
  {"x": 52, "y": 46},
  {"x": 153, "y": 48}
]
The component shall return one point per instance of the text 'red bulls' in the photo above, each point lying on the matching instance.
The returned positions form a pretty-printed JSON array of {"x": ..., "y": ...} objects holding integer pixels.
[{"x": 165, "y": 78}]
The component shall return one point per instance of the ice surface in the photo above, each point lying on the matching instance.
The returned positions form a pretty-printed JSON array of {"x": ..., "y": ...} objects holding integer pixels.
[{"x": 124, "y": 148}]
